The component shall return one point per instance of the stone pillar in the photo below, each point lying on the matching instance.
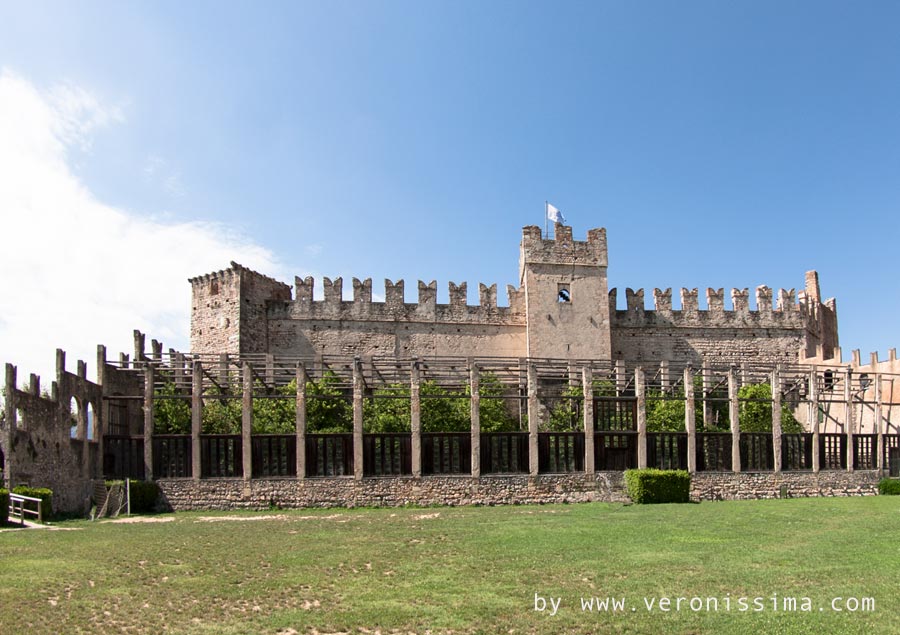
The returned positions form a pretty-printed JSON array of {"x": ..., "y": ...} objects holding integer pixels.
[
  {"x": 475, "y": 416},
  {"x": 358, "y": 389},
  {"x": 247, "y": 421},
  {"x": 148, "y": 421},
  {"x": 664, "y": 376},
  {"x": 879, "y": 429},
  {"x": 415, "y": 420},
  {"x": 690, "y": 421},
  {"x": 620, "y": 376},
  {"x": 534, "y": 415},
  {"x": 704, "y": 370},
  {"x": 224, "y": 379},
  {"x": 300, "y": 423},
  {"x": 196, "y": 418},
  {"x": 776, "y": 418},
  {"x": 814, "y": 418},
  {"x": 733, "y": 409},
  {"x": 587, "y": 391},
  {"x": 849, "y": 417},
  {"x": 640, "y": 390},
  {"x": 270, "y": 370},
  {"x": 11, "y": 425}
]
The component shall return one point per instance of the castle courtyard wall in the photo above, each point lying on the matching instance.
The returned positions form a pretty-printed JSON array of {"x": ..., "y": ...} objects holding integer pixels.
[{"x": 235, "y": 493}]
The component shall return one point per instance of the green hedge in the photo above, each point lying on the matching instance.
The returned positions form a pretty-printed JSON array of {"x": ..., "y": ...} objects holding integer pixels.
[
  {"x": 658, "y": 486},
  {"x": 43, "y": 493},
  {"x": 889, "y": 487},
  {"x": 4, "y": 506},
  {"x": 143, "y": 496}
]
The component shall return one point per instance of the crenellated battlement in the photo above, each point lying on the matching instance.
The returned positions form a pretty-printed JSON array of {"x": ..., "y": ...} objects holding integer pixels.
[
  {"x": 395, "y": 307},
  {"x": 562, "y": 249},
  {"x": 561, "y": 307},
  {"x": 785, "y": 313}
]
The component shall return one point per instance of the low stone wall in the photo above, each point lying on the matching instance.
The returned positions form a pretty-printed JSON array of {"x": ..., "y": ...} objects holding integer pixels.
[
  {"x": 235, "y": 493},
  {"x": 184, "y": 494},
  {"x": 753, "y": 485}
]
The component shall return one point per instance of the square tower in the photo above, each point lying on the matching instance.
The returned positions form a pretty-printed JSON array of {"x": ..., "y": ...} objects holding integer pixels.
[{"x": 566, "y": 295}]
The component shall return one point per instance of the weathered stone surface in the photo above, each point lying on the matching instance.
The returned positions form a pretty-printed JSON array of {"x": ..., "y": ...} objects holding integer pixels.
[
  {"x": 184, "y": 494},
  {"x": 563, "y": 309}
]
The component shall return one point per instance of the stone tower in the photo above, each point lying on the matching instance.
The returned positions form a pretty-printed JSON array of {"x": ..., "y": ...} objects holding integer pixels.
[
  {"x": 566, "y": 297},
  {"x": 228, "y": 310}
]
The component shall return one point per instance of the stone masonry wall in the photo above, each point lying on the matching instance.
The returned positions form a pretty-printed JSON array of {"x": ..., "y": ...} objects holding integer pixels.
[
  {"x": 184, "y": 494},
  {"x": 187, "y": 494},
  {"x": 765, "y": 335},
  {"x": 753, "y": 485}
]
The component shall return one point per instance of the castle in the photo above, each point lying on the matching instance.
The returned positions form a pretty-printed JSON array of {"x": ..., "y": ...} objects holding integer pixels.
[
  {"x": 561, "y": 351},
  {"x": 562, "y": 309}
]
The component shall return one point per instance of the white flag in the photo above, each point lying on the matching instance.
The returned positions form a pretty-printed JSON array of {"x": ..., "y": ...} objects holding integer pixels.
[{"x": 554, "y": 214}]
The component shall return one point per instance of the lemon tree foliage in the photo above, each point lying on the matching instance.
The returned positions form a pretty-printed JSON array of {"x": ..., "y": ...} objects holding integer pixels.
[
  {"x": 171, "y": 411},
  {"x": 329, "y": 408},
  {"x": 442, "y": 409},
  {"x": 566, "y": 414},
  {"x": 755, "y": 410}
]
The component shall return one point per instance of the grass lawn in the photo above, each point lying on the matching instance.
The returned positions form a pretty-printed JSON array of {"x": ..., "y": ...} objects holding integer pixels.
[{"x": 462, "y": 570}]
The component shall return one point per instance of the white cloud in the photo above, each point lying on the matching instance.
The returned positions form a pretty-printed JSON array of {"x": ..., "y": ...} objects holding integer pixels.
[
  {"x": 75, "y": 272},
  {"x": 157, "y": 171}
]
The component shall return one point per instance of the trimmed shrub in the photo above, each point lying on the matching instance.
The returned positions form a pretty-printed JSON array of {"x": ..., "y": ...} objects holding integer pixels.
[
  {"x": 43, "y": 493},
  {"x": 658, "y": 486},
  {"x": 4, "y": 506},
  {"x": 143, "y": 496},
  {"x": 889, "y": 487}
]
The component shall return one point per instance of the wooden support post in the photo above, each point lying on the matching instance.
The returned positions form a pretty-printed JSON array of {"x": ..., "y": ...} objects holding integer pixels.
[
  {"x": 640, "y": 389},
  {"x": 733, "y": 416},
  {"x": 534, "y": 415},
  {"x": 587, "y": 391},
  {"x": 415, "y": 419},
  {"x": 690, "y": 421},
  {"x": 196, "y": 418},
  {"x": 247, "y": 421},
  {"x": 475, "y": 416},
  {"x": 148, "y": 421},
  {"x": 358, "y": 389},
  {"x": 776, "y": 418},
  {"x": 300, "y": 424}
]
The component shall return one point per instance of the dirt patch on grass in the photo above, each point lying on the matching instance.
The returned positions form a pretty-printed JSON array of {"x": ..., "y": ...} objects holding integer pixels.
[
  {"x": 218, "y": 519},
  {"x": 143, "y": 519}
]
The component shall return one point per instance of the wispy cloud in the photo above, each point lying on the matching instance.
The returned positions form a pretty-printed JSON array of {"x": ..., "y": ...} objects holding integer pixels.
[
  {"x": 157, "y": 171},
  {"x": 75, "y": 271}
]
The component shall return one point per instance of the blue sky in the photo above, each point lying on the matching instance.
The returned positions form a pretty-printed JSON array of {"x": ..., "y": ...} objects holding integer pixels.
[{"x": 721, "y": 145}]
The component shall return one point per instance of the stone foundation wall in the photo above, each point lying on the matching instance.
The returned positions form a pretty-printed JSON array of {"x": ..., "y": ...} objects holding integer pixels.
[
  {"x": 753, "y": 485},
  {"x": 187, "y": 494}
]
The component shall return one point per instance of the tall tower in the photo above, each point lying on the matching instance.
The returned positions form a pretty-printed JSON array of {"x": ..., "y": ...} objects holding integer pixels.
[
  {"x": 228, "y": 310},
  {"x": 566, "y": 295}
]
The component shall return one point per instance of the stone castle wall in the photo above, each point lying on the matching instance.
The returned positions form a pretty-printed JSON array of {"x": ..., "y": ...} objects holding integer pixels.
[
  {"x": 562, "y": 310},
  {"x": 333, "y": 326},
  {"x": 224, "y": 494},
  {"x": 763, "y": 335}
]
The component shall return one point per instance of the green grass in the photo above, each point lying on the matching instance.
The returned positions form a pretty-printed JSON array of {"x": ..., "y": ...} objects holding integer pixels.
[{"x": 461, "y": 570}]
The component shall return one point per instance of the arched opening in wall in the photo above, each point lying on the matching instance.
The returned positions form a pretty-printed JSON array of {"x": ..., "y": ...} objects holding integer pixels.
[
  {"x": 91, "y": 434},
  {"x": 74, "y": 418},
  {"x": 20, "y": 422}
]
